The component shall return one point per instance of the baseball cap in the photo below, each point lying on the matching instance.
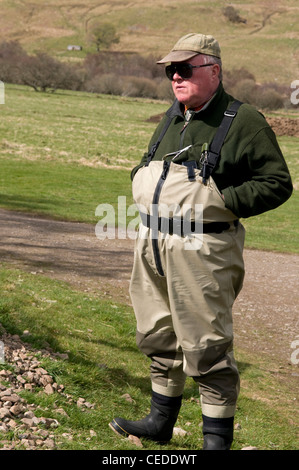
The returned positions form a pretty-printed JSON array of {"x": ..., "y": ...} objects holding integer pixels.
[{"x": 190, "y": 45}]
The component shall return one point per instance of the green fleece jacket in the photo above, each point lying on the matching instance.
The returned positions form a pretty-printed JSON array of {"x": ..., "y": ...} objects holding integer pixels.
[{"x": 251, "y": 173}]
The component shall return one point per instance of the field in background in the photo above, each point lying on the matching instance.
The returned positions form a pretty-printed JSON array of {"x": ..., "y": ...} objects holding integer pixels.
[
  {"x": 63, "y": 154},
  {"x": 266, "y": 43}
]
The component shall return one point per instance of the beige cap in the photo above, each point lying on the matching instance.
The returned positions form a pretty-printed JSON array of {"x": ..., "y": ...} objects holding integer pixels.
[{"x": 191, "y": 45}]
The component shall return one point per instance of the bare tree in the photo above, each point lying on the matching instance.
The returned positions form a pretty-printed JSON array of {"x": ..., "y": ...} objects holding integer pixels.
[{"x": 43, "y": 73}]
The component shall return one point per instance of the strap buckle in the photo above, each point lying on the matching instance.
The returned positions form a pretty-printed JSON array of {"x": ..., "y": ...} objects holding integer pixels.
[{"x": 229, "y": 113}]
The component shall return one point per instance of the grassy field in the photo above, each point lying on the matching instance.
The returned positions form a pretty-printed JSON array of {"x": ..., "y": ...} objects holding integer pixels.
[
  {"x": 61, "y": 155},
  {"x": 264, "y": 44},
  {"x": 104, "y": 364}
]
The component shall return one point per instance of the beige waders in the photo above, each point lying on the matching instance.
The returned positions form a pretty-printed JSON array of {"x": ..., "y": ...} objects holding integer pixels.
[{"x": 184, "y": 284}]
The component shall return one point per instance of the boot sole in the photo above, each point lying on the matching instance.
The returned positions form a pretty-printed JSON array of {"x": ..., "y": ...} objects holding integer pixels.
[
  {"x": 121, "y": 432},
  {"x": 117, "y": 429}
]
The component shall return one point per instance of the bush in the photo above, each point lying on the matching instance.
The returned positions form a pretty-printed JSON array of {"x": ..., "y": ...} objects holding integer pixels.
[
  {"x": 107, "y": 84},
  {"x": 232, "y": 15},
  {"x": 11, "y": 58},
  {"x": 126, "y": 74},
  {"x": 269, "y": 99},
  {"x": 246, "y": 91},
  {"x": 39, "y": 71},
  {"x": 122, "y": 64},
  {"x": 42, "y": 72},
  {"x": 165, "y": 91},
  {"x": 140, "y": 87},
  {"x": 231, "y": 78}
]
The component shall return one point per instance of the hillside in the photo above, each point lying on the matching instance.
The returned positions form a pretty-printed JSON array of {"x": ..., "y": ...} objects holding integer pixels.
[{"x": 266, "y": 42}]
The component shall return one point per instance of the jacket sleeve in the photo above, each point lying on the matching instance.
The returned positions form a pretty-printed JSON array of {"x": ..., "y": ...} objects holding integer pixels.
[{"x": 265, "y": 182}]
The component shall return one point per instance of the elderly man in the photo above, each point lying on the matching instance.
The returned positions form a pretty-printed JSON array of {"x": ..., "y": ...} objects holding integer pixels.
[{"x": 213, "y": 152}]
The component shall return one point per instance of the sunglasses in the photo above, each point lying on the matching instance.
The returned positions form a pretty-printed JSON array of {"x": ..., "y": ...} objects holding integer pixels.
[{"x": 184, "y": 70}]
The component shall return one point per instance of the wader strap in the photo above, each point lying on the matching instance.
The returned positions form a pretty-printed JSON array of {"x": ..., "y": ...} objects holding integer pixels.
[
  {"x": 156, "y": 144},
  {"x": 213, "y": 154},
  {"x": 191, "y": 166}
]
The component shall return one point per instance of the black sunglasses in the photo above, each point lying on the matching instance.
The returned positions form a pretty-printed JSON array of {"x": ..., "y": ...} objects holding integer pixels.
[{"x": 183, "y": 70}]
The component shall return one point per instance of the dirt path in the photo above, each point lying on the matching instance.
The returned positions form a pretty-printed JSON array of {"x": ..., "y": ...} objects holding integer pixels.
[{"x": 265, "y": 314}]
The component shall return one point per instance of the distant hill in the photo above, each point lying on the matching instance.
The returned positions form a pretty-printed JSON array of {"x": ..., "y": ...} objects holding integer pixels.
[{"x": 265, "y": 40}]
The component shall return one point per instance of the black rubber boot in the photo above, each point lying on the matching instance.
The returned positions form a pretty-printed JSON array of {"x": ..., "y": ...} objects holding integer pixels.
[
  {"x": 157, "y": 425},
  {"x": 218, "y": 433}
]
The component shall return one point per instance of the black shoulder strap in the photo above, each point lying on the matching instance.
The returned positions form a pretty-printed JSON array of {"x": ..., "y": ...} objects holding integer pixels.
[
  {"x": 157, "y": 143},
  {"x": 213, "y": 154}
]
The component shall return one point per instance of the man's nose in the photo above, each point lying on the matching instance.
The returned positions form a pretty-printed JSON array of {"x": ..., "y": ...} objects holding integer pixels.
[{"x": 176, "y": 76}]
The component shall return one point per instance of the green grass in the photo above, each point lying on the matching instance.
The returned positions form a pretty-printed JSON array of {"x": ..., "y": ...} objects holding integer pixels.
[
  {"x": 67, "y": 192},
  {"x": 64, "y": 154},
  {"x": 279, "y": 229},
  {"x": 104, "y": 364},
  {"x": 74, "y": 127}
]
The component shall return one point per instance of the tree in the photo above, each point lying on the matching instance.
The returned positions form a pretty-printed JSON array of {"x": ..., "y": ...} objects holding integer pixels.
[
  {"x": 104, "y": 35},
  {"x": 43, "y": 73}
]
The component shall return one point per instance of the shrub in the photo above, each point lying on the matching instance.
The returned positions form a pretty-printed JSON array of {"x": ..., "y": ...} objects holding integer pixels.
[
  {"x": 11, "y": 57},
  {"x": 231, "y": 78},
  {"x": 107, "y": 84},
  {"x": 245, "y": 91},
  {"x": 232, "y": 15},
  {"x": 269, "y": 99},
  {"x": 140, "y": 87},
  {"x": 42, "y": 72},
  {"x": 165, "y": 91}
]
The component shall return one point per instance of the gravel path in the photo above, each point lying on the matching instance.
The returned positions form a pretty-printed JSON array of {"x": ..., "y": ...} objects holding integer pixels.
[{"x": 265, "y": 313}]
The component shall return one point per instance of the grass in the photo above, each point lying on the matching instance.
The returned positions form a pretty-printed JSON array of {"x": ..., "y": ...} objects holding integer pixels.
[
  {"x": 104, "y": 363},
  {"x": 62, "y": 155},
  {"x": 80, "y": 128},
  {"x": 82, "y": 157}
]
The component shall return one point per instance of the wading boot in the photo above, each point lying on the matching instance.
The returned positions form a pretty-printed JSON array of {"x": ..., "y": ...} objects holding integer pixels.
[
  {"x": 218, "y": 433},
  {"x": 157, "y": 425}
]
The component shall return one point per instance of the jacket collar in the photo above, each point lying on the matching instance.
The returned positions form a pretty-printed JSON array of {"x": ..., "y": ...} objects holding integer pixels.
[{"x": 177, "y": 108}]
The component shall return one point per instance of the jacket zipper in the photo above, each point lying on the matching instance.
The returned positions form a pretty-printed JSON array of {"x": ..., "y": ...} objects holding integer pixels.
[{"x": 155, "y": 234}]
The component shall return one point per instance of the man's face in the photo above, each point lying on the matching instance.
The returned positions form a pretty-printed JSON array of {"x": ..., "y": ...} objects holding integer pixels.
[{"x": 198, "y": 89}]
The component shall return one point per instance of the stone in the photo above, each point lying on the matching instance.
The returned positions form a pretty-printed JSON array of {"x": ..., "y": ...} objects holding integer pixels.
[
  {"x": 249, "y": 448},
  {"x": 27, "y": 421},
  {"x": 49, "y": 443},
  {"x": 17, "y": 409},
  {"x": 17, "y": 417},
  {"x": 49, "y": 389},
  {"x": 135, "y": 440},
  {"x": 179, "y": 432},
  {"x": 4, "y": 413}
]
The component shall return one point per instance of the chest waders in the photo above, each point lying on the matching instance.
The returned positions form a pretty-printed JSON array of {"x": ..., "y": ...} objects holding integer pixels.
[{"x": 188, "y": 270}]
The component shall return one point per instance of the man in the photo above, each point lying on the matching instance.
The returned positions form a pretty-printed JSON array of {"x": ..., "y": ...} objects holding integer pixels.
[{"x": 184, "y": 282}]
